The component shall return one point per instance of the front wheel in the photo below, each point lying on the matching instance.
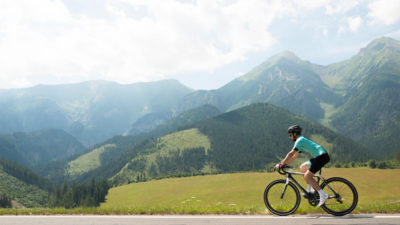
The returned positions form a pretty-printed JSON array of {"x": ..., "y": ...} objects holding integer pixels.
[
  {"x": 280, "y": 198},
  {"x": 343, "y": 196}
]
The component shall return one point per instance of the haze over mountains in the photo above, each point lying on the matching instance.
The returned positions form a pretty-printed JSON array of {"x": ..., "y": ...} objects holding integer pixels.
[
  {"x": 92, "y": 111},
  {"x": 357, "y": 99}
]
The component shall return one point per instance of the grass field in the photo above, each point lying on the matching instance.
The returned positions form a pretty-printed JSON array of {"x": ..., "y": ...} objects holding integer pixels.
[
  {"x": 379, "y": 191},
  {"x": 240, "y": 193}
]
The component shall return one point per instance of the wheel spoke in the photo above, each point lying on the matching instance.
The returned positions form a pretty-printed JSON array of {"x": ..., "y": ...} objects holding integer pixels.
[
  {"x": 279, "y": 202},
  {"x": 343, "y": 199}
]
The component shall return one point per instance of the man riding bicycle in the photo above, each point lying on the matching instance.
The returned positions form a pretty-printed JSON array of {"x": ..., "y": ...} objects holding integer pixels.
[{"x": 319, "y": 158}]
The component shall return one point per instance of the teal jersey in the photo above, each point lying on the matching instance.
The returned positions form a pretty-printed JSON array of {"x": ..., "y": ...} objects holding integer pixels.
[{"x": 303, "y": 144}]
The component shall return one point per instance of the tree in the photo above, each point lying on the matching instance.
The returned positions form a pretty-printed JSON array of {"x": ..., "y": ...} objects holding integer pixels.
[
  {"x": 5, "y": 201},
  {"x": 396, "y": 155},
  {"x": 80, "y": 194},
  {"x": 382, "y": 165},
  {"x": 372, "y": 164}
]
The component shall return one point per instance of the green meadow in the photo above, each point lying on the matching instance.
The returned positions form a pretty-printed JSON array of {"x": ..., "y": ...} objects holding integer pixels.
[
  {"x": 239, "y": 193},
  {"x": 242, "y": 193}
]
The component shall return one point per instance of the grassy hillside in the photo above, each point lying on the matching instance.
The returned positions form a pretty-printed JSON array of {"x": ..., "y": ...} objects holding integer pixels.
[
  {"x": 26, "y": 194},
  {"x": 106, "y": 161},
  {"x": 23, "y": 185},
  {"x": 243, "y": 193},
  {"x": 167, "y": 156},
  {"x": 87, "y": 162}
]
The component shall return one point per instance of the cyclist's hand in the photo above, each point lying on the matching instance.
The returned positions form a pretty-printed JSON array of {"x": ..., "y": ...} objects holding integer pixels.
[{"x": 278, "y": 166}]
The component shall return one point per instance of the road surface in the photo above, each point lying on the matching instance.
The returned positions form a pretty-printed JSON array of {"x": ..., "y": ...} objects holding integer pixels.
[{"x": 198, "y": 220}]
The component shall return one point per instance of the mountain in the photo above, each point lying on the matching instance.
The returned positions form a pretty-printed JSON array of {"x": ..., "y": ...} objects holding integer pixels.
[
  {"x": 370, "y": 84},
  {"x": 358, "y": 97},
  {"x": 249, "y": 138},
  {"x": 91, "y": 111},
  {"x": 185, "y": 118},
  {"x": 109, "y": 154},
  {"x": 284, "y": 80},
  {"x": 39, "y": 147},
  {"x": 23, "y": 185},
  {"x": 149, "y": 122}
]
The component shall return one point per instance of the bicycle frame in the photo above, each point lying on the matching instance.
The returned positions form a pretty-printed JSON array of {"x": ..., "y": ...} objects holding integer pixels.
[{"x": 290, "y": 177}]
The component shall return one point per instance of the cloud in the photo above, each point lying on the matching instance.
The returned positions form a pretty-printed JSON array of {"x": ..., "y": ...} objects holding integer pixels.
[
  {"x": 354, "y": 23},
  {"x": 340, "y": 7},
  {"x": 57, "y": 41},
  {"x": 384, "y": 11},
  {"x": 310, "y": 4},
  {"x": 46, "y": 41}
]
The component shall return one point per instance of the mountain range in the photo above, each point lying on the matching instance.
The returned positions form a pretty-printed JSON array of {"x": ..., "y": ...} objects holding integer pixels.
[
  {"x": 92, "y": 111},
  {"x": 358, "y": 97},
  {"x": 250, "y": 138},
  {"x": 131, "y": 131}
]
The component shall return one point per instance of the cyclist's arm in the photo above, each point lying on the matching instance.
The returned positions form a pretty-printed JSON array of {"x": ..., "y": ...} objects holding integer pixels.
[{"x": 290, "y": 157}]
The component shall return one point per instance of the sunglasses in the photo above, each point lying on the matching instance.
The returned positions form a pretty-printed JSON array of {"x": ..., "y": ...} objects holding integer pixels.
[{"x": 290, "y": 135}]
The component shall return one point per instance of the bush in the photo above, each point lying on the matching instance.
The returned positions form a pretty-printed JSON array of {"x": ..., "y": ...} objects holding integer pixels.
[
  {"x": 382, "y": 165},
  {"x": 372, "y": 164}
]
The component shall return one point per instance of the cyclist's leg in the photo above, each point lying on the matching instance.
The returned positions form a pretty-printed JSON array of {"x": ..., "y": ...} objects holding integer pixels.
[
  {"x": 316, "y": 164},
  {"x": 305, "y": 166},
  {"x": 309, "y": 177}
]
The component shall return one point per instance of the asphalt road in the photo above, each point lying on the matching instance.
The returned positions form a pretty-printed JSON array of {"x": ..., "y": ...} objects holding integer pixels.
[{"x": 198, "y": 220}]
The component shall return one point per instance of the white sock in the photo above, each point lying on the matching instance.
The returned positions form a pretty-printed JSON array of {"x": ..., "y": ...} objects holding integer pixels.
[
  {"x": 322, "y": 198},
  {"x": 322, "y": 193},
  {"x": 309, "y": 188}
]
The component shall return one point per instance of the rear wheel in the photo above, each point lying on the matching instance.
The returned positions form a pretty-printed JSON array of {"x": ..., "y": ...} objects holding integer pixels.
[
  {"x": 343, "y": 196},
  {"x": 281, "y": 199}
]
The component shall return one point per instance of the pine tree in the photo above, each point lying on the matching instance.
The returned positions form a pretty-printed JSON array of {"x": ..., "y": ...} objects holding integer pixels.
[{"x": 5, "y": 201}]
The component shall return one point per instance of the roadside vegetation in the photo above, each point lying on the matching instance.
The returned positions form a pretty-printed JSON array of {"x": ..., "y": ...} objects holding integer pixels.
[{"x": 237, "y": 193}]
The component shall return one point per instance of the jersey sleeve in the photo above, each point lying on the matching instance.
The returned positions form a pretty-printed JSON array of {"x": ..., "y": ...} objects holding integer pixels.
[{"x": 297, "y": 146}]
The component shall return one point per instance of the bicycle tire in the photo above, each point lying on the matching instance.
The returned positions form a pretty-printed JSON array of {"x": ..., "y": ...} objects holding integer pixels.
[
  {"x": 274, "y": 190},
  {"x": 346, "y": 192}
]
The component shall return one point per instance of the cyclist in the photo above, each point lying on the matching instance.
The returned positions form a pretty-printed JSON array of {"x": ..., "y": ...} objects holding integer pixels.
[{"x": 319, "y": 158}]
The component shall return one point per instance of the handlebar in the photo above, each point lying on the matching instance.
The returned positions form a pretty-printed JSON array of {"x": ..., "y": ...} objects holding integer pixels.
[{"x": 282, "y": 170}]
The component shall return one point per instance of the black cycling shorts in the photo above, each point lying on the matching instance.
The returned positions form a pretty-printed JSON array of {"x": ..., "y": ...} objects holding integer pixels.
[{"x": 318, "y": 162}]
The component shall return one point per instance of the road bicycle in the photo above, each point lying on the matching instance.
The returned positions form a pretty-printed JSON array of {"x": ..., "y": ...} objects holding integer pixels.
[{"x": 282, "y": 196}]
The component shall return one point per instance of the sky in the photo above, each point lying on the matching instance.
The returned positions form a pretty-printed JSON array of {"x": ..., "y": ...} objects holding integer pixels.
[{"x": 204, "y": 44}]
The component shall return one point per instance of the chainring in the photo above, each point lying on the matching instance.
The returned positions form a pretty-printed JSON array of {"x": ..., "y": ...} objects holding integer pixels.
[{"x": 313, "y": 199}]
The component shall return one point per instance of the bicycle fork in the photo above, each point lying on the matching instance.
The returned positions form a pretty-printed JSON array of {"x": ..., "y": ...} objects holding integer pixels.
[{"x": 284, "y": 188}]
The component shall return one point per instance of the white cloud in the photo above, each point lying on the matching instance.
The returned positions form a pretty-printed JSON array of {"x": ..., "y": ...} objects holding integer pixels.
[
  {"x": 354, "y": 23},
  {"x": 44, "y": 42},
  {"x": 311, "y": 4},
  {"x": 55, "y": 41},
  {"x": 384, "y": 11},
  {"x": 340, "y": 7}
]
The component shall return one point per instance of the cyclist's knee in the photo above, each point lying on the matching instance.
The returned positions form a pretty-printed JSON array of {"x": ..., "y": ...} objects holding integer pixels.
[
  {"x": 308, "y": 174},
  {"x": 303, "y": 168}
]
